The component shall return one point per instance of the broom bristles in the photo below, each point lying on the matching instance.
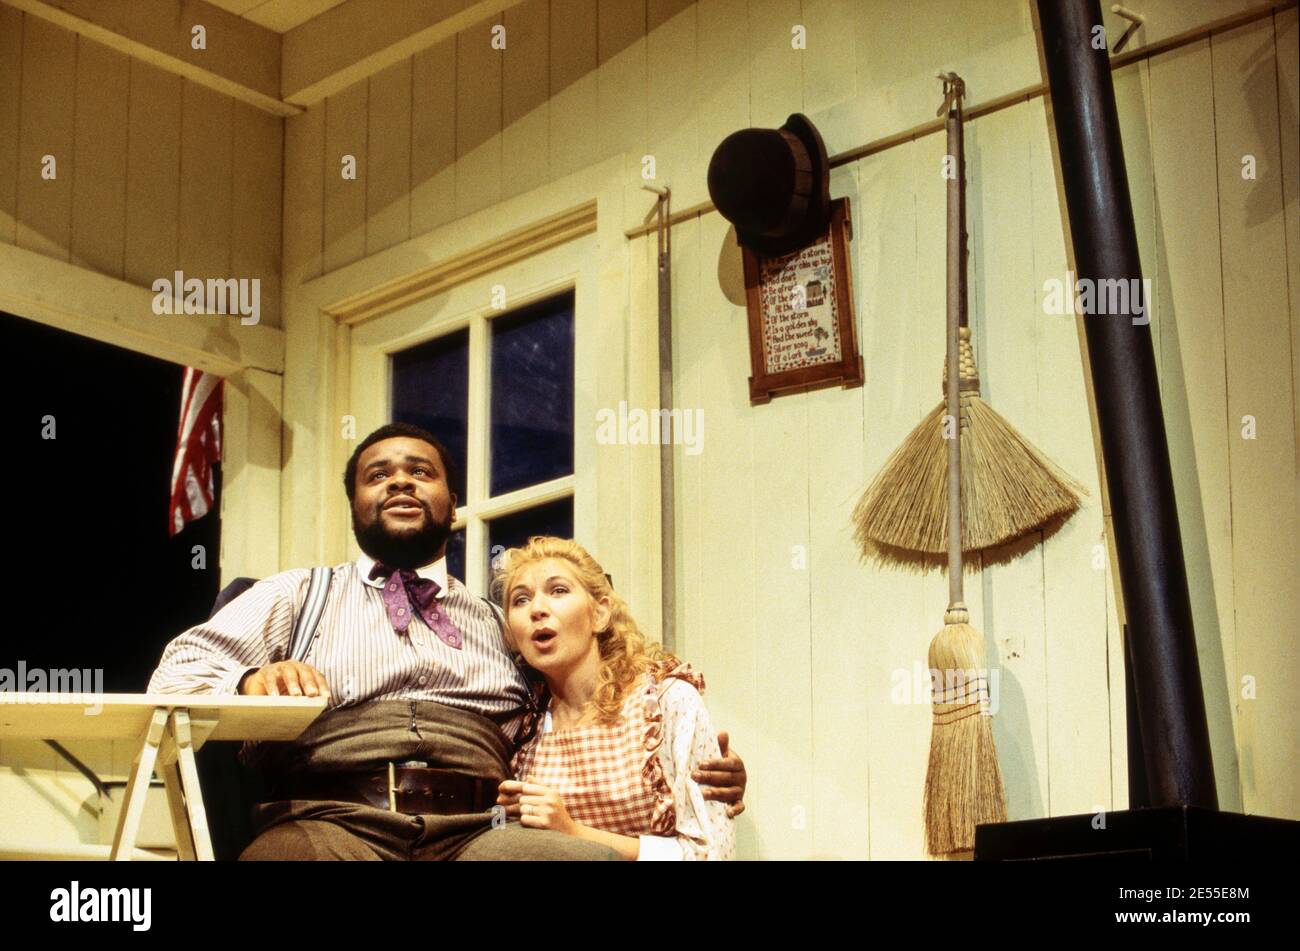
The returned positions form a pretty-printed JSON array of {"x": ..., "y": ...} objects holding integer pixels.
[
  {"x": 963, "y": 782},
  {"x": 1008, "y": 488}
]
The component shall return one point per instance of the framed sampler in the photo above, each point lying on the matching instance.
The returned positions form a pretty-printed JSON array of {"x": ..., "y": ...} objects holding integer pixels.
[{"x": 802, "y": 333}]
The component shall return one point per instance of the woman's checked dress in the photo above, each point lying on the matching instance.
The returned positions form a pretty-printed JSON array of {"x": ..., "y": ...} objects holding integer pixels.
[{"x": 634, "y": 778}]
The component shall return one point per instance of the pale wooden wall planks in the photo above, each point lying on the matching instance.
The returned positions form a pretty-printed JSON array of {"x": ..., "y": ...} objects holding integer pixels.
[
  {"x": 894, "y": 630},
  {"x": 836, "y": 421},
  {"x": 153, "y": 167},
  {"x": 46, "y": 119},
  {"x": 433, "y": 139},
  {"x": 621, "y": 51},
  {"x": 721, "y": 541},
  {"x": 722, "y": 48},
  {"x": 255, "y": 228},
  {"x": 304, "y": 152},
  {"x": 1261, "y": 466},
  {"x": 1288, "y": 82},
  {"x": 572, "y": 69},
  {"x": 671, "y": 84},
  {"x": 526, "y": 103},
  {"x": 1011, "y": 182},
  {"x": 207, "y": 156},
  {"x": 347, "y": 170},
  {"x": 388, "y": 158},
  {"x": 11, "y": 78},
  {"x": 478, "y": 120},
  {"x": 153, "y": 173},
  {"x": 99, "y": 183}
]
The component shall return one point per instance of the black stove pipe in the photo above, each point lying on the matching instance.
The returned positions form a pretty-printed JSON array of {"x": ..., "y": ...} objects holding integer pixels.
[{"x": 1165, "y": 675}]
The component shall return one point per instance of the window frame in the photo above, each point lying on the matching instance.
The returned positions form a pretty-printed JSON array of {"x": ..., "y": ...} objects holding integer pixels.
[{"x": 480, "y": 507}]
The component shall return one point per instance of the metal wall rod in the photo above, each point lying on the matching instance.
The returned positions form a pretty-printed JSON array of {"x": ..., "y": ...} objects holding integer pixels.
[
  {"x": 1014, "y": 98},
  {"x": 667, "y": 433}
]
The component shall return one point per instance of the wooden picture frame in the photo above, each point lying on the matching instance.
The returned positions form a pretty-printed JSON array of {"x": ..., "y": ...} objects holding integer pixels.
[{"x": 802, "y": 332}]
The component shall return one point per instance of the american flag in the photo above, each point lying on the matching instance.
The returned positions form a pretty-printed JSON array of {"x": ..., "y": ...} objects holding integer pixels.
[{"x": 198, "y": 445}]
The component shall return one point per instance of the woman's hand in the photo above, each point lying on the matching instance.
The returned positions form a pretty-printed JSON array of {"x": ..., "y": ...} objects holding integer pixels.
[{"x": 536, "y": 807}]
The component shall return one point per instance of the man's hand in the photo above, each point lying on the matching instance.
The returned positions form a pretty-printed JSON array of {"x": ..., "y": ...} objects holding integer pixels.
[
  {"x": 724, "y": 779},
  {"x": 536, "y": 807},
  {"x": 286, "y": 678}
]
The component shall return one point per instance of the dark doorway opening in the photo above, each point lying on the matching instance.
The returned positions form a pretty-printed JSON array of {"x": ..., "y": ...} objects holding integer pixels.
[{"x": 92, "y": 575}]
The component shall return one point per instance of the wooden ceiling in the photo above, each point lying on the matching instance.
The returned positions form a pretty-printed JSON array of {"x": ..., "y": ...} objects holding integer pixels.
[
  {"x": 278, "y": 15},
  {"x": 281, "y": 56}
]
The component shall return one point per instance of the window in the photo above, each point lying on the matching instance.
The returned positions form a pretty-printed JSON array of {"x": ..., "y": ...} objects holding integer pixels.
[
  {"x": 515, "y": 457},
  {"x": 431, "y": 389}
]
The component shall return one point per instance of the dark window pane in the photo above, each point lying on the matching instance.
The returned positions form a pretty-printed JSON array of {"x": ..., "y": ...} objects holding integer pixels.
[
  {"x": 532, "y": 395},
  {"x": 456, "y": 555},
  {"x": 431, "y": 389},
  {"x": 553, "y": 518}
]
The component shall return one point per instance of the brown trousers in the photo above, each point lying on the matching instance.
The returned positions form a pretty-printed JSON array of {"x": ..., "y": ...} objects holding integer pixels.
[{"x": 369, "y": 735}]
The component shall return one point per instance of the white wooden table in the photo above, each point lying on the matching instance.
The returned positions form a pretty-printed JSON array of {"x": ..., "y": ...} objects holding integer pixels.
[{"x": 168, "y": 729}]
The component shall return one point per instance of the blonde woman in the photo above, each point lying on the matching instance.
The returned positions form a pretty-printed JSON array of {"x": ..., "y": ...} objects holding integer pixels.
[{"x": 625, "y": 726}]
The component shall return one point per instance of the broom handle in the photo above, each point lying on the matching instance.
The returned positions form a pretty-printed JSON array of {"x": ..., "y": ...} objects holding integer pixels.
[
  {"x": 957, "y": 145},
  {"x": 956, "y": 283}
]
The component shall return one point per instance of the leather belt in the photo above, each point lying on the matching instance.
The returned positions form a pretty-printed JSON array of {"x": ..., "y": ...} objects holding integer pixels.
[{"x": 412, "y": 790}]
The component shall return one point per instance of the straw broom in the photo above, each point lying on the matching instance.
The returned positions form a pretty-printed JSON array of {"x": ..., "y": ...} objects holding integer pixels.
[
  {"x": 963, "y": 784},
  {"x": 1008, "y": 488}
]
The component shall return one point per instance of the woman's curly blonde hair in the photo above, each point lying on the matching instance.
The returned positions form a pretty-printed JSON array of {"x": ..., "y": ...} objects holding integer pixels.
[{"x": 625, "y": 652}]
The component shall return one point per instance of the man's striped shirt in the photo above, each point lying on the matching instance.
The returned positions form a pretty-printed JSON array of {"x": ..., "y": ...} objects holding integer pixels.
[{"x": 356, "y": 648}]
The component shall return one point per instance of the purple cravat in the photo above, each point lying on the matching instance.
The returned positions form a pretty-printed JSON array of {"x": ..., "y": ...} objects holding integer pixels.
[{"x": 405, "y": 593}]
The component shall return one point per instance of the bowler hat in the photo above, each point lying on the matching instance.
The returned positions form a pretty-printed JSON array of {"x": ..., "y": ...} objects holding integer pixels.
[{"x": 773, "y": 185}]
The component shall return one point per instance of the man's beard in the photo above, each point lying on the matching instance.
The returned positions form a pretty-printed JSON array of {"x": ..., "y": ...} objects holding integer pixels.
[{"x": 408, "y": 550}]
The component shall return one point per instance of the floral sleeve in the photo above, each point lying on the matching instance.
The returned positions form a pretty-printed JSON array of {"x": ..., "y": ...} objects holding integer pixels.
[{"x": 703, "y": 829}]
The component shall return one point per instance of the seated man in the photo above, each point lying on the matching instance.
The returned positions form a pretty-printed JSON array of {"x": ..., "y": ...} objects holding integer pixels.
[{"x": 426, "y": 705}]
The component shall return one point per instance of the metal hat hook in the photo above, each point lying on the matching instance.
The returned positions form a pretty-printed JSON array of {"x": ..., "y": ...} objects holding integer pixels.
[{"x": 954, "y": 90}]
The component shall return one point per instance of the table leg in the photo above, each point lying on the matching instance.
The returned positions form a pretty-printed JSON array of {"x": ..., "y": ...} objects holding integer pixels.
[
  {"x": 171, "y": 775},
  {"x": 137, "y": 788},
  {"x": 200, "y": 840}
]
